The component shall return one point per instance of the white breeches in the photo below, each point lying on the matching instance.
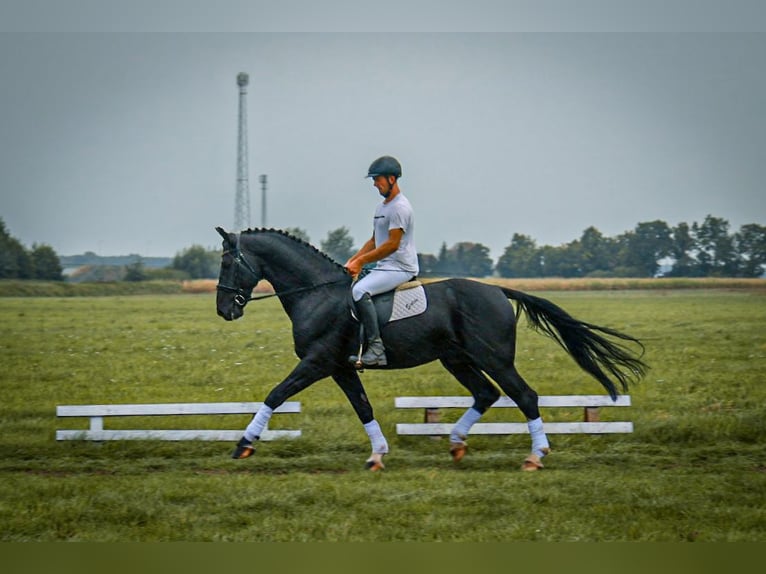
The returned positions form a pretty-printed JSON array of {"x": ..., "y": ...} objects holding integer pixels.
[{"x": 379, "y": 281}]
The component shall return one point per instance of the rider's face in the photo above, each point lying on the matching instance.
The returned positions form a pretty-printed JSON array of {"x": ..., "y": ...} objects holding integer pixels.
[{"x": 383, "y": 184}]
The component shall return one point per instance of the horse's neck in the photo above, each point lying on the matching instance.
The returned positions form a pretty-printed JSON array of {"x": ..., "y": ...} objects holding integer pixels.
[{"x": 289, "y": 264}]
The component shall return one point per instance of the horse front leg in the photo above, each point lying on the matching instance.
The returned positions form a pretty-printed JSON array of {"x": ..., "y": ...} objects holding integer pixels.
[
  {"x": 306, "y": 373},
  {"x": 348, "y": 380}
]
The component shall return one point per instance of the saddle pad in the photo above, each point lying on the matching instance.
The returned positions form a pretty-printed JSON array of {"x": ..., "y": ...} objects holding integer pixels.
[{"x": 408, "y": 303}]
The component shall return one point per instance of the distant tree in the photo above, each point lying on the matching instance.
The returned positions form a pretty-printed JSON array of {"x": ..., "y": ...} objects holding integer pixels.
[
  {"x": 135, "y": 272},
  {"x": 338, "y": 245},
  {"x": 444, "y": 266},
  {"x": 562, "y": 261},
  {"x": 716, "y": 255},
  {"x": 642, "y": 248},
  {"x": 597, "y": 254},
  {"x": 197, "y": 262},
  {"x": 15, "y": 261},
  {"x": 522, "y": 258},
  {"x": 299, "y": 233},
  {"x": 470, "y": 259},
  {"x": 682, "y": 250},
  {"x": 47, "y": 266},
  {"x": 9, "y": 254},
  {"x": 750, "y": 242}
]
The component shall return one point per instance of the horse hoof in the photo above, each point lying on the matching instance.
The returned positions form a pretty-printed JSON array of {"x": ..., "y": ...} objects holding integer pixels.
[
  {"x": 532, "y": 463},
  {"x": 244, "y": 449},
  {"x": 458, "y": 450},
  {"x": 374, "y": 463}
]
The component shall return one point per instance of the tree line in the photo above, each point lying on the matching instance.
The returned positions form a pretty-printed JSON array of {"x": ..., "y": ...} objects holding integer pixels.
[{"x": 706, "y": 249}]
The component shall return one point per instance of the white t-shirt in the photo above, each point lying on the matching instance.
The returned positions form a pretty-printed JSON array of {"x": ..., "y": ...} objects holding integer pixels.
[{"x": 397, "y": 214}]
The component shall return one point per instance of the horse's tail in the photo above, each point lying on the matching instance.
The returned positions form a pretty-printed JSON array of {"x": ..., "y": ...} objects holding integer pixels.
[{"x": 585, "y": 342}]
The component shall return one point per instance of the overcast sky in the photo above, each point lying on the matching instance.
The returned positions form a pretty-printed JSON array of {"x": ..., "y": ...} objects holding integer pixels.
[{"x": 123, "y": 142}]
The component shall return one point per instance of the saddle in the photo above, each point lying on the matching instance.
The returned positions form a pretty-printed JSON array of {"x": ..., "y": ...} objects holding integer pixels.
[{"x": 407, "y": 300}]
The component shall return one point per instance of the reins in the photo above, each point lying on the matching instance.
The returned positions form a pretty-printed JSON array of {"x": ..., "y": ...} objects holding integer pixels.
[{"x": 277, "y": 293}]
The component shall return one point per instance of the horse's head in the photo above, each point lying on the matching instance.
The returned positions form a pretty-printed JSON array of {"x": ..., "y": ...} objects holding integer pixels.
[{"x": 236, "y": 278}]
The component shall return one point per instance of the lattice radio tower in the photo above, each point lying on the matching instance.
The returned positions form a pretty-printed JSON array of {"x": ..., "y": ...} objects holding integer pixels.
[{"x": 242, "y": 199}]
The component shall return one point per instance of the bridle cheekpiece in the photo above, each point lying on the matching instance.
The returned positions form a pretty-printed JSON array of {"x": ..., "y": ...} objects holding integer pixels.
[{"x": 242, "y": 296}]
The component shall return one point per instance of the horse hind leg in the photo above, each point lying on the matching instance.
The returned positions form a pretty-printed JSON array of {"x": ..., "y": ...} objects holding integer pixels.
[
  {"x": 484, "y": 394},
  {"x": 514, "y": 385}
]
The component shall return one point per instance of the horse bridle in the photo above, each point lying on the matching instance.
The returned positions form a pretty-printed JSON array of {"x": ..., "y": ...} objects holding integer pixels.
[{"x": 242, "y": 297}]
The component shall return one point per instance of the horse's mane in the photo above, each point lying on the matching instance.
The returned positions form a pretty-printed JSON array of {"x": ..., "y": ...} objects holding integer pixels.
[{"x": 297, "y": 240}]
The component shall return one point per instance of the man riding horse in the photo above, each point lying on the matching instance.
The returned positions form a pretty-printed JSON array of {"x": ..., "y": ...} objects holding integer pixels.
[
  {"x": 391, "y": 247},
  {"x": 469, "y": 326}
]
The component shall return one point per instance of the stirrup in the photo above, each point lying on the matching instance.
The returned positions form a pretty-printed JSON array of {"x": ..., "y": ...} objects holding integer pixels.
[
  {"x": 375, "y": 355},
  {"x": 370, "y": 359}
]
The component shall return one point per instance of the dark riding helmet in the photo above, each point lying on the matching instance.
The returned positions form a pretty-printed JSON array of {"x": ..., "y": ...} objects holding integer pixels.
[{"x": 385, "y": 165}]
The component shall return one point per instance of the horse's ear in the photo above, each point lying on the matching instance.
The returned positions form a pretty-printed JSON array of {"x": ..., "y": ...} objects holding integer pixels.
[{"x": 224, "y": 234}]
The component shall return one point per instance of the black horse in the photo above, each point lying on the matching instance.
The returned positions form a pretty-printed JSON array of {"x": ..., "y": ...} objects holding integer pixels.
[{"x": 469, "y": 326}]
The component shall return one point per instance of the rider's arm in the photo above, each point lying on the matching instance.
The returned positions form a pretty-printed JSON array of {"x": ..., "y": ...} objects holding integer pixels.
[
  {"x": 384, "y": 249},
  {"x": 368, "y": 246},
  {"x": 369, "y": 253}
]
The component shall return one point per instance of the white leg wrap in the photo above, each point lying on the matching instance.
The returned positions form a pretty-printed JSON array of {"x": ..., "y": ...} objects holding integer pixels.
[
  {"x": 464, "y": 424},
  {"x": 259, "y": 422},
  {"x": 540, "y": 444},
  {"x": 377, "y": 440}
]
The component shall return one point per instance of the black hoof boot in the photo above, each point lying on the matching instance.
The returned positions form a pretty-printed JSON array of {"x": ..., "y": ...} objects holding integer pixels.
[
  {"x": 375, "y": 354},
  {"x": 244, "y": 449}
]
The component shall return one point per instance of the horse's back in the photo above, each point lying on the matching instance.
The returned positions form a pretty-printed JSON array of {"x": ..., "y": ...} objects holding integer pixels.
[
  {"x": 468, "y": 294},
  {"x": 467, "y": 303},
  {"x": 461, "y": 313}
]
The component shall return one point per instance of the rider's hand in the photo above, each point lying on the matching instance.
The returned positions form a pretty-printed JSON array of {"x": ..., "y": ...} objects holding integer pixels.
[{"x": 354, "y": 267}]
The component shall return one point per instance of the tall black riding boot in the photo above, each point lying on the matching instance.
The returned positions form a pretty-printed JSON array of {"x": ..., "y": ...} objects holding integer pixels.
[{"x": 375, "y": 355}]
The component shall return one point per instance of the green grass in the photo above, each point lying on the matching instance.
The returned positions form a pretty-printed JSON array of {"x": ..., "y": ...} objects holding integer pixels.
[{"x": 694, "y": 469}]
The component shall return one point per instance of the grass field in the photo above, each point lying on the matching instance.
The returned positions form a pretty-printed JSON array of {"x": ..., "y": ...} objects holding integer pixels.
[{"x": 693, "y": 470}]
